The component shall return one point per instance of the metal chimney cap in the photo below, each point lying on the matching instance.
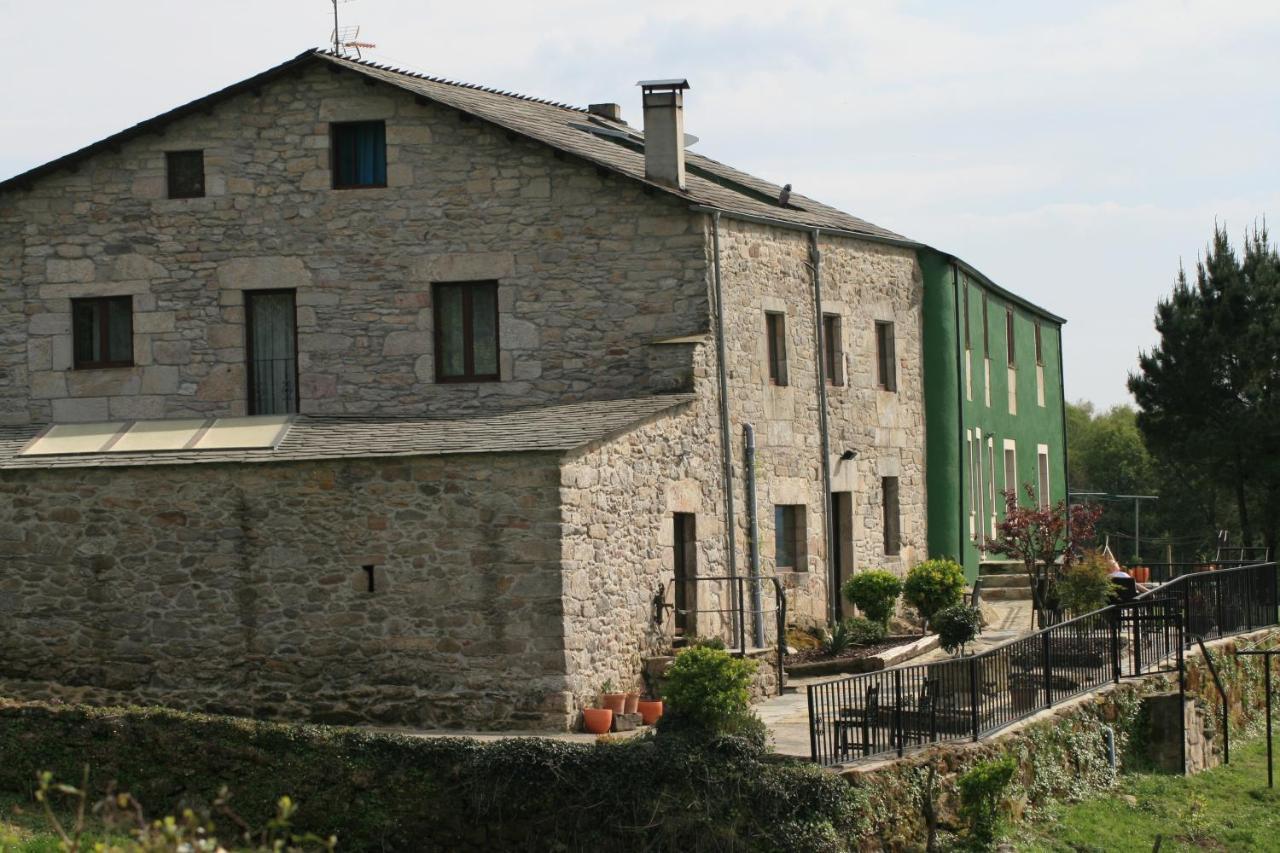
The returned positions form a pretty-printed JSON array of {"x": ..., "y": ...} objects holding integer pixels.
[{"x": 678, "y": 83}]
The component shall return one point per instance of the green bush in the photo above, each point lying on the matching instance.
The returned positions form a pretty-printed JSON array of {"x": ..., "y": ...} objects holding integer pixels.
[
  {"x": 874, "y": 592},
  {"x": 708, "y": 689},
  {"x": 851, "y": 633},
  {"x": 933, "y": 585},
  {"x": 1085, "y": 585},
  {"x": 981, "y": 794},
  {"x": 956, "y": 626},
  {"x": 379, "y": 791}
]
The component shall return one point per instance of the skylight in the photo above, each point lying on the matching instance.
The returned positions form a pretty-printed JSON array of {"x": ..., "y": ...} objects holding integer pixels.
[{"x": 195, "y": 434}]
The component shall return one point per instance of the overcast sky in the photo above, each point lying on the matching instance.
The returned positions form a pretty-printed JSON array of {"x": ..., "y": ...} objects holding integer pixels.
[{"x": 1074, "y": 152}]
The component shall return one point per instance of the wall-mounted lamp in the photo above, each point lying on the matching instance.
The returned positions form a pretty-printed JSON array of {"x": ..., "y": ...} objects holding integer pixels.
[{"x": 847, "y": 455}]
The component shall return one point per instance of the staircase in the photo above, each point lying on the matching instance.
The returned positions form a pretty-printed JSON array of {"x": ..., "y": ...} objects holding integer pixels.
[{"x": 1004, "y": 581}]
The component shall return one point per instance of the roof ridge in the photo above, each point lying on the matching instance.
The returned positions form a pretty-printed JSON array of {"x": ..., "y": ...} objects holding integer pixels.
[{"x": 461, "y": 84}]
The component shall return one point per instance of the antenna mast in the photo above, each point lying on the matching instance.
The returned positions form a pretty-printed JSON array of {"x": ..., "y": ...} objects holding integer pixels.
[{"x": 346, "y": 40}]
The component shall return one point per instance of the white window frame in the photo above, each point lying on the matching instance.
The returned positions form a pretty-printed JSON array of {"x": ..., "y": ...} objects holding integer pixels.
[
  {"x": 1011, "y": 472},
  {"x": 1042, "y": 474},
  {"x": 991, "y": 483}
]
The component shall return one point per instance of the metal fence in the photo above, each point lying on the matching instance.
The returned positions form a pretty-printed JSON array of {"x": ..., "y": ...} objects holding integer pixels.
[{"x": 966, "y": 698}]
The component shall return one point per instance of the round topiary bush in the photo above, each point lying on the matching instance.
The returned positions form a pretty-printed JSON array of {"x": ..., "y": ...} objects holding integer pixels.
[
  {"x": 956, "y": 626},
  {"x": 708, "y": 689},
  {"x": 874, "y": 592},
  {"x": 933, "y": 585}
]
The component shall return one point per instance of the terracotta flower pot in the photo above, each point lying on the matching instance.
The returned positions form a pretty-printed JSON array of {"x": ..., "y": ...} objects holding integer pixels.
[
  {"x": 597, "y": 721},
  {"x": 650, "y": 710},
  {"x": 615, "y": 702},
  {"x": 633, "y": 699}
]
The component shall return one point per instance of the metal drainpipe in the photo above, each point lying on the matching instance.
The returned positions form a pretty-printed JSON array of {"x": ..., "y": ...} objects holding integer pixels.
[
  {"x": 726, "y": 450},
  {"x": 960, "y": 400},
  {"x": 753, "y": 535},
  {"x": 828, "y": 531}
]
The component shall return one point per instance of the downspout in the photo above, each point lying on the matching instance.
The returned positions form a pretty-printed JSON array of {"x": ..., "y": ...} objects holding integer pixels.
[
  {"x": 833, "y": 571},
  {"x": 968, "y": 457},
  {"x": 753, "y": 536},
  {"x": 726, "y": 450}
]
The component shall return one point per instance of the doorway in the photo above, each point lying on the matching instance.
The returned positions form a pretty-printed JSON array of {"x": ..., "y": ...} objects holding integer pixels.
[
  {"x": 271, "y": 351},
  {"x": 685, "y": 552}
]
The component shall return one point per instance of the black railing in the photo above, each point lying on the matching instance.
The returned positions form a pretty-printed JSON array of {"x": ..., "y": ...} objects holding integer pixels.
[
  {"x": 966, "y": 698},
  {"x": 746, "y": 610},
  {"x": 1165, "y": 572}
]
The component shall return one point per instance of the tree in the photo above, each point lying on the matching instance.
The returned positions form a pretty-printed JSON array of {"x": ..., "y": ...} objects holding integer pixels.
[
  {"x": 1209, "y": 392},
  {"x": 1039, "y": 537}
]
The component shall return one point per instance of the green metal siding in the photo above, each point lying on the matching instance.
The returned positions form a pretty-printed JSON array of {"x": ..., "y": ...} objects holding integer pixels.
[{"x": 952, "y": 416}]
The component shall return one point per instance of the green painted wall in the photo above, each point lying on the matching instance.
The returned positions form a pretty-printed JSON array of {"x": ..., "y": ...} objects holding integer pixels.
[{"x": 960, "y": 489}]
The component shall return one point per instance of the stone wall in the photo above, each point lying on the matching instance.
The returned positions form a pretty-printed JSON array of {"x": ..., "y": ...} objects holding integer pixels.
[
  {"x": 765, "y": 270},
  {"x": 591, "y": 269},
  {"x": 240, "y": 589}
]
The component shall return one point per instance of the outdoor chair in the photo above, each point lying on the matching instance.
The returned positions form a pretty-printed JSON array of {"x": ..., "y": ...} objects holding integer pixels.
[
  {"x": 860, "y": 721},
  {"x": 920, "y": 726},
  {"x": 1126, "y": 588}
]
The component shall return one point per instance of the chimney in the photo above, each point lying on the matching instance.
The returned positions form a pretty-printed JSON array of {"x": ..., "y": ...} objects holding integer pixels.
[
  {"x": 613, "y": 112},
  {"x": 664, "y": 130}
]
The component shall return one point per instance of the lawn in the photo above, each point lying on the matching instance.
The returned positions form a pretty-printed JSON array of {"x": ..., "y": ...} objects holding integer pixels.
[{"x": 1227, "y": 809}]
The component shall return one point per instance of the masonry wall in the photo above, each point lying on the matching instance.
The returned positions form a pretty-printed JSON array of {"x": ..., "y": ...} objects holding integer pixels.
[
  {"x": 765, "y": 269},
  {"x": 240, "y": 589},
  {"x": 591, "y": 269}
]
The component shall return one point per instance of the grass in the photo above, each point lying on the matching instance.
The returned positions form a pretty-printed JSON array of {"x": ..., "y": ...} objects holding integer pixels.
[
  {"x": 1225, "y": 809},
  {"x": 25, "y": 829}
]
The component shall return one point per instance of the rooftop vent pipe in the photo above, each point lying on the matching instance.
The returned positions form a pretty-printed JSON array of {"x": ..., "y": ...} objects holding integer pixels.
[{"x": 664, "y": 130}]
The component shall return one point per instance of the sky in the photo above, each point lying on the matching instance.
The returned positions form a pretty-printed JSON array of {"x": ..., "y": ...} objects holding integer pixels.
[{"x": 1076, "y": 153}]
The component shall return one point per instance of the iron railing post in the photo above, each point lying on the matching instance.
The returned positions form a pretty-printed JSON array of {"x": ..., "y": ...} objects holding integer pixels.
[
  {"x": 813, "y": 727},
  {"x": 897, "y": 710},
  {"x": 742, "y": 625},
  {"x": 1182, "y": 696},
  {"x": 1048, "y": 671},
  {"x": 1115, "y": 642},
  {"x": 973, "y": 696}
]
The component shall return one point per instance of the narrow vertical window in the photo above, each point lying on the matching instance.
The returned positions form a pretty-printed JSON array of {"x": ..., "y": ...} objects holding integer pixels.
[
  {"x": 775, "y": 326},
  {"x": 986, "y": 328},
  {"x": 359, "y": 154},
  {"x": 1008, "y": 334},
  {"x": 185, "y": 171},
  {"x": 1042, "y": 474},
  {"x": 271, "y": 351},
  {"x": 1039, "y": 346},
  {"x": 967, "y": 344},
  {"x": 886, "y": 358},
  {"x": 833, "y": 349},
  {"x": 1010, "y": 466},
  {"x": 892, "y": 520},
  {"x": 789, "y": 538},
  {"x": 466, "y": 331},
  {"x": 102, "y": 332},
  {"x": 991, "y": 484},
  {"x": 685, "y": 570}
]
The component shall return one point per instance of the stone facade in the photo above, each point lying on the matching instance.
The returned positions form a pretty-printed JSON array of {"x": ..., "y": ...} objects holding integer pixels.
[
  {"x": 515, "y": 584},
  {"x": 241, "y": 589},
  {"x": 591, "y": 270}
]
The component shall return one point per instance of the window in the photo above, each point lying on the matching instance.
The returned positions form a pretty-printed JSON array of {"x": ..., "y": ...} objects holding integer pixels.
[
  {"x": 685, "y": 554},
  {"x": 986, "y": 328},
  {"x": 1039, "y": 346},
  {"x": 1008, "y": 333},
  {"x": 775, "y": 328},
  {"x": 834, "y": 349},
  {"x": 1042, "y": 472},
  {"x": 991, "y": 484},
  {"x": 359, "y": 154},
  {"x": 102, "y": 332},
  {"x": 892, "y": 523},
  {"x": 789, "y": 538},
  {"x": 970, "y": 444},
  {"x": 1011, "y": 466},
  {"x": 466, "y": 331},
  {"x": 967, "y": 344},
  {"x": 186, "y": 173},
  {"x": 271, "y": 351},
  {"x": 886, "y": 360}
]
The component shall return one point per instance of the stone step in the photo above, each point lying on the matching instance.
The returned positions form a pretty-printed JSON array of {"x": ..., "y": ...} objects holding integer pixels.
[
  {"x": 1001, "y": 567},
  {"x": 1004, "y": 581},
  {"x": 1006, "y": 593}
]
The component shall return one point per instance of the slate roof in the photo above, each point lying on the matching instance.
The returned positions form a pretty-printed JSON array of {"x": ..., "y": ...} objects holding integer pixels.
[{"x": 312, "y": 437}]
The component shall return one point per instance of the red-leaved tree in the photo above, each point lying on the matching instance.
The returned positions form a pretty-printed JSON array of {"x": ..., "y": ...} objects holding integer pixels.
[{"x": 1038, "y": 536}]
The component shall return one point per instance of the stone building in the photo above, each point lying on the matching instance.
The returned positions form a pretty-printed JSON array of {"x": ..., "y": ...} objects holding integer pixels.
[{"x": 353, "y": 394}]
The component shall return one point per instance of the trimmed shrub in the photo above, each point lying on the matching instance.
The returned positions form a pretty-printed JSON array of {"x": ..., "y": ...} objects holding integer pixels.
[
  {"x": 1085, "y": 585},
  {"x": 378, "y": 791},
  {"x": 933, "y": 585},
  {"x": 708, "y": 689},
  {"x": 981, "y": 794},
  {"x": 851, "y": 633},
  {"x": 874, "y": 592},
  {"x": 956, "y": 626}
]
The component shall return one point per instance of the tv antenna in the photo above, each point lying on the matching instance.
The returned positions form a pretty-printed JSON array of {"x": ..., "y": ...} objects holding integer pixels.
[{"x": 346, "y": 40}]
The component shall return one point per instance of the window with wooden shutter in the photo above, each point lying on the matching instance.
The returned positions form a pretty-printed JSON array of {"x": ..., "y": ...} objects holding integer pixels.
[{"x": 886, "y": 358}]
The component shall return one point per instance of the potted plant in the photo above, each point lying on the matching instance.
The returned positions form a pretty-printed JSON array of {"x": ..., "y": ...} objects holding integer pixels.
[
  {"x": 597, "y": 721},
  {"x": 650, "y": 710},
  {"x": 611, "y": 699},
  {"x": 632, "y": 701}
]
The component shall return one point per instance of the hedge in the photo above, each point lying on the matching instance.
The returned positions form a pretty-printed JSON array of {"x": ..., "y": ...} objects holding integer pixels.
[{"x": 383, "y": 791}]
